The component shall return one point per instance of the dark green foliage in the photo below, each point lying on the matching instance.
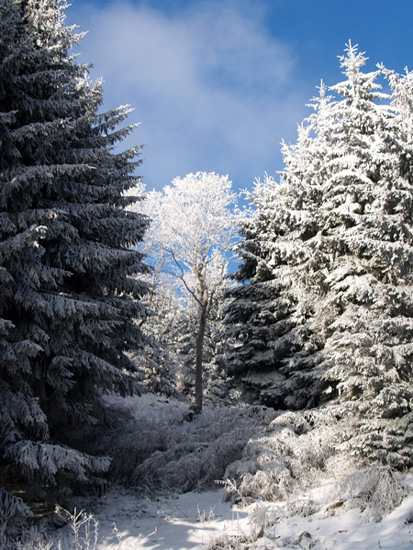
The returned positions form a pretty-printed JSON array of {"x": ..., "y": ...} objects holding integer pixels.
[{"x": 67, "y": 267}]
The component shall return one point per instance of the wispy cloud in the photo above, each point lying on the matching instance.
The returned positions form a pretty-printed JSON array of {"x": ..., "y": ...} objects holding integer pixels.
[{"x": 212, "y": 88}]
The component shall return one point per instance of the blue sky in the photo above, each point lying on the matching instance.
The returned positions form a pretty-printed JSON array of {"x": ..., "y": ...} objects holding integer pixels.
[{"x": 216, "y": 85}]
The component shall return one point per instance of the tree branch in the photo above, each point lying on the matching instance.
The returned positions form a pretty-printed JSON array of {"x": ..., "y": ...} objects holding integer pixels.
[{"x": 182, "y": 278}]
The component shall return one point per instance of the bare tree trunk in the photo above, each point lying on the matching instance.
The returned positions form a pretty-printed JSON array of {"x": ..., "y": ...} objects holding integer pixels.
[{"x": 199, "y": 354}]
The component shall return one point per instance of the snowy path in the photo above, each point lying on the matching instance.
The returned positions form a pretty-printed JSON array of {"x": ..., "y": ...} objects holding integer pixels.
[
  {"x": 191, "y": 521},
  {"x": 194, "y": 520}
]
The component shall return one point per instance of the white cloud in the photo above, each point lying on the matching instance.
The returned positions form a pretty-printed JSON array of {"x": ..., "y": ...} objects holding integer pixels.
[{"x": 213, "y": 89}]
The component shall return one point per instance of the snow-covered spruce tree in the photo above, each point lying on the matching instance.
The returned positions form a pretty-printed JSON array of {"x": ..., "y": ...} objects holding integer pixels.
[
  {"x": 260, "y": 310},
  {"x": 68, "y": 295},
  {"x": 326, "y": 316}
]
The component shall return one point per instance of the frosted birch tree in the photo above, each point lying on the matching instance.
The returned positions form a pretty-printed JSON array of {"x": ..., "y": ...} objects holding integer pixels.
[
  {"x": 69, "y": 296},
  {"x": 192, "y": 239}
]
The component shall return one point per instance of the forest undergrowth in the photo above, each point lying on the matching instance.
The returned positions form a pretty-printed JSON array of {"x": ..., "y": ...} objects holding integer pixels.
[{"x": 280, "y": 460}]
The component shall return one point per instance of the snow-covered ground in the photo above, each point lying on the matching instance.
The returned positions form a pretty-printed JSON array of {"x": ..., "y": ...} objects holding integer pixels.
[
  {"x": 195, "y": 520},
  {"x": 346, "y": 530},
  {"x": 192, "y": 520},
  {"x": 325, "y": 507},
  {"x": 321, "y": 518}
]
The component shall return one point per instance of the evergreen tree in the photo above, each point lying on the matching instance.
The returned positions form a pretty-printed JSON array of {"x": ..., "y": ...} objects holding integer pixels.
[
  {"x": 327, "y": 314},
  {"x": 68, "y": 295}
]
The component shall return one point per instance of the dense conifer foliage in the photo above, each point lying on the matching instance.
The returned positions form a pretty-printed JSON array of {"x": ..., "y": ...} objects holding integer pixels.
[
  {"x": 67, "y": 266},
  {"x": 325, "y": 311}
]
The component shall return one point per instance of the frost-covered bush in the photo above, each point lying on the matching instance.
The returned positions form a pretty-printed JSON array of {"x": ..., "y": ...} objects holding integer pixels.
[
  {"x": 230, "y": 542},
  {"x": 157, "y": 444},
  {"x": 208, "y": 445},
  {"x": 195, "y": 463},
  {"x": 13, "y": 513},
  {"x": 296, "y": 451},
  {"x": 379, "y": 489},
  {"x": 31, "y": 539},
  {"x": 80, "y": 532},
  {"x": 133, "y": 428}
]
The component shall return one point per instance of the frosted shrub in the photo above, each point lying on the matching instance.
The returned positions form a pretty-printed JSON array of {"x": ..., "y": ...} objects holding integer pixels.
[
  {"x": 80, "y": 533},
  {"x": 195, "y": 464},
  {"x": 32, "y": 539},
  {"x": 135, "y": 428},
  {"x": 379, "y": 489},
  {"x": 273, "y": 483},
  {"x": 83, "y": 530},
  {"x": 230, "y": 542},
  {"x": 153, "y": 443},
  {"x": 296, "y": 452},
  {"x": 293, "y": 420},
  {"x": 205, "y": 448},
  {"x": 13, "y": 513},
  {"x": 262, "y": 474}
]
